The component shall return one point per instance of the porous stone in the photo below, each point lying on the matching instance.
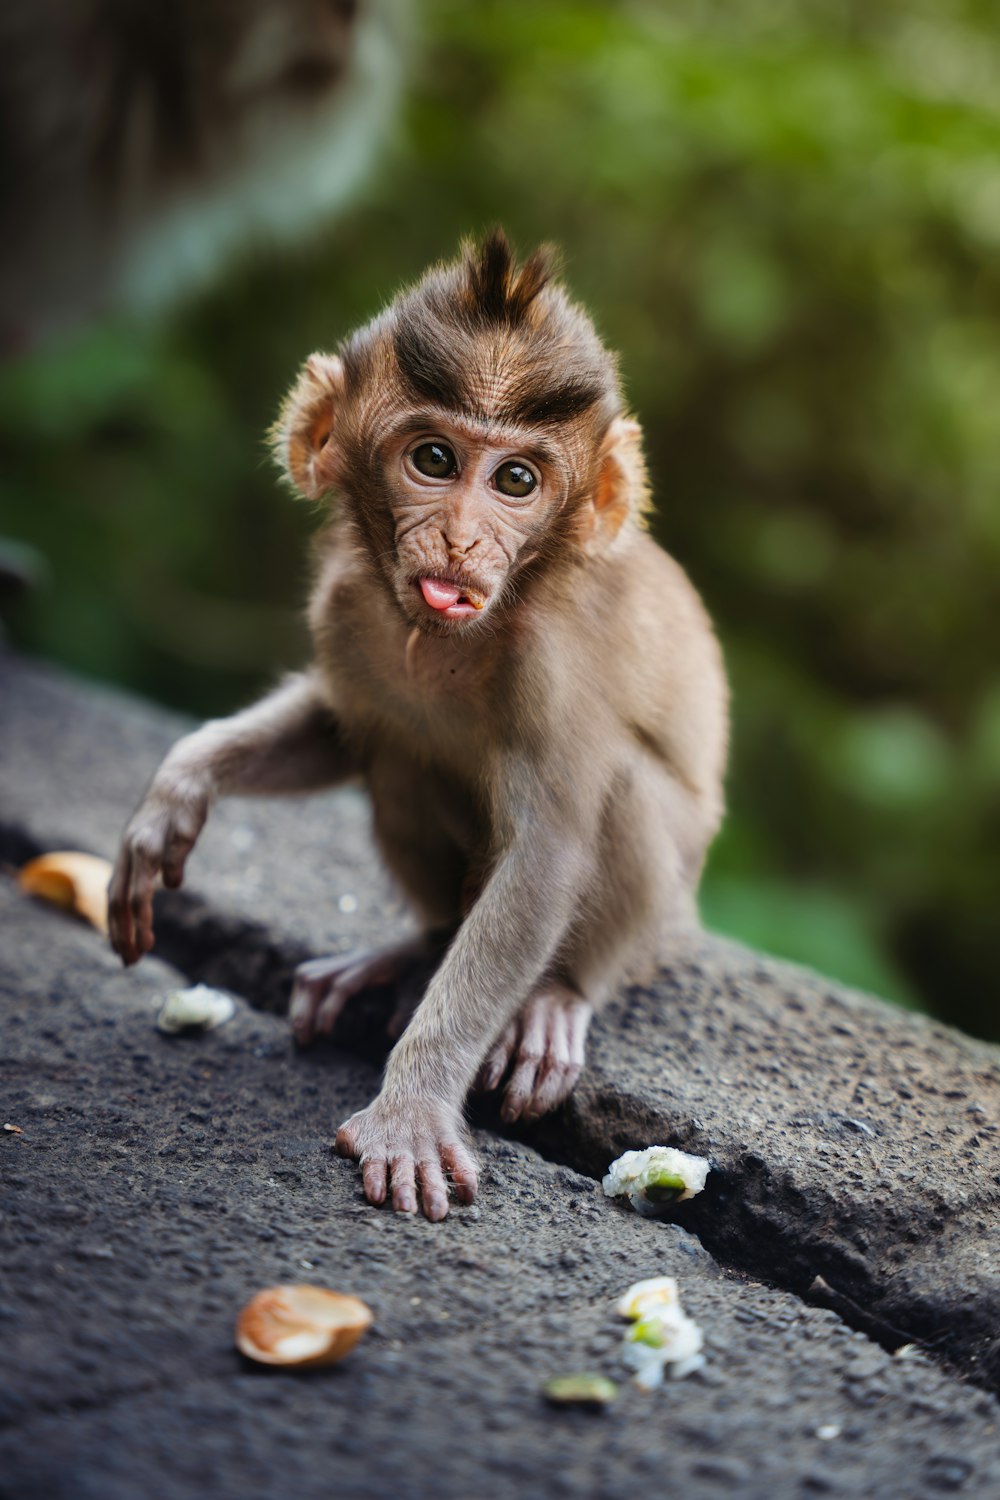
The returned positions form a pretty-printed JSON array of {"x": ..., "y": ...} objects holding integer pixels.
[{"x": 156, "y": 1183}]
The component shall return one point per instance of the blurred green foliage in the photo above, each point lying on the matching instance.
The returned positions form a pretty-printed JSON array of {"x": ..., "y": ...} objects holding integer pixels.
[{"x": 786, "y": 215}]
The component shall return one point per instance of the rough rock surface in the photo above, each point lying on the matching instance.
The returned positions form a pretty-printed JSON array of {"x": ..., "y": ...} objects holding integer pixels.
[{"x": 158, "y": 1182}]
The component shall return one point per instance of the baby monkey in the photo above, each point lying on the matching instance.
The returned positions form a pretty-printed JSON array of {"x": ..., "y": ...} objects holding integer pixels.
[{"x": 526, "y": 683}]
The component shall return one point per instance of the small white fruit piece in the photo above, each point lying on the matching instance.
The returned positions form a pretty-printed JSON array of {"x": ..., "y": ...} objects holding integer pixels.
[
  {"x": 661, "y": 1334},
  {"x": 76, "y": 882},
  {"x": 656, "y": 1177},
  {"x": 200, "y": 1006},
  {"x": 301, "y": 1326},
  {"x": 648, "y": 1296}
]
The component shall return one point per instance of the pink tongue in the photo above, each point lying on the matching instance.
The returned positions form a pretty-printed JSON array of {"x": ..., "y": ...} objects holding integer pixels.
[{"x": 438, "y": 594}]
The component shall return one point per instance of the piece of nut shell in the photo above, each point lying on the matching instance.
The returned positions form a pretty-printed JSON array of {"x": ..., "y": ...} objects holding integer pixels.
[
  {"x": 300, "y": 1326},
  {"x": 76, "y": 882}
]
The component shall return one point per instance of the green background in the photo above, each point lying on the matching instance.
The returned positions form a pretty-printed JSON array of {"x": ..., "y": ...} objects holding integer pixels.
[{"x": 786, "y": 216}]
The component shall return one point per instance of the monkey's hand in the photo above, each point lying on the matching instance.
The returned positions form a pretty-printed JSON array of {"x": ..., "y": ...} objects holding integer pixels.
[
  {"x": 156, "y": 843},
  {"x": 411, "y": 1147}
]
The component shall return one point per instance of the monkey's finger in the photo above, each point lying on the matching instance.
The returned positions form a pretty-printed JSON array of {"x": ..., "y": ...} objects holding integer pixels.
[
  {"x": 521, "y": 1086},
  {"x": 556, "y": 1055},
  {"x": 404, "y": 1192},
  {"x": 335, "y": 989},
  {"x": 461, "y": 1168},
  {"x": 141, "y": 903},
  {"x": 551, "y": 1072},
  {"x": 119, "y": 913},
  {"x": 328, "y": 1012},
  {"x": 529, "y": 1056},
  {"x": 497, "y": 1060},
  {"x": 174, "y": 861},
  {"x": 129, "y": 945},
  {"x": 373, "y": 1178},
  {"x": 142, "y": 917},
  {"x": 302, "y": 1011},
  {"x": 556, "y": 1086},
  {"x": 312, "y": 984},
  {"x": 433, "y": 1188},
  {"x": 569, "y": 1055},
  {"x": 346, "y": 1140},
  {"x": 579, "y": 1022}
]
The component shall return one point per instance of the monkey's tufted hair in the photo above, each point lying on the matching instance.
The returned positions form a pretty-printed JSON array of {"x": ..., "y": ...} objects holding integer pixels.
[{"x": 497, "y": 341}]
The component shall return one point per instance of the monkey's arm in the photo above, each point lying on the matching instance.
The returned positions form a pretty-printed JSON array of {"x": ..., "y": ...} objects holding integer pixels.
[
  {"x": 414, "y": 1128},
  {"x": 288, "y": 742}
]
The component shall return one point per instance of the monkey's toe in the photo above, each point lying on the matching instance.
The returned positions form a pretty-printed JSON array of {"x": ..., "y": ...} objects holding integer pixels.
[
  {"x": 410, "y": 1156},
  {"x": 546, "y": 1053},
  {"x": 497, "y": 1061},
  {"x": 323, "y": 986}
]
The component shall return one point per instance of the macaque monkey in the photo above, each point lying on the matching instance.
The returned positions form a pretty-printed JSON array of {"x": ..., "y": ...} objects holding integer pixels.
[{"x": 528, "y": 686}]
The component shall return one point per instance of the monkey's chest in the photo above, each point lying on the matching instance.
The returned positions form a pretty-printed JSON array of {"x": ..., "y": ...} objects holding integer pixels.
[
  {"x": 442, "y": 705},
  {"x": 430, "y": 696}
]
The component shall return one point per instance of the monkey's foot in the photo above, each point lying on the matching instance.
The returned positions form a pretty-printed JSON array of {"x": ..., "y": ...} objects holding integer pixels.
[
  {"x": 544, "y": 1048},
  {"x": 411, "y": 1147},
  {"x": 323, "y": 986}
]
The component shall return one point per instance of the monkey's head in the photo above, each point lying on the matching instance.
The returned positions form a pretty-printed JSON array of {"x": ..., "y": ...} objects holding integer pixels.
[{"x": 470, "y": 431}]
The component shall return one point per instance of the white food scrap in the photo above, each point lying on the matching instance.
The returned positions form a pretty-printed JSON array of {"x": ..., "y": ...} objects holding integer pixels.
[
  {"x": 647, "y": 1296},
  {"x": 652, "y": 1178},
  {"x": 200, "y": 1006},
  {"x": 661, "y": 1333}
]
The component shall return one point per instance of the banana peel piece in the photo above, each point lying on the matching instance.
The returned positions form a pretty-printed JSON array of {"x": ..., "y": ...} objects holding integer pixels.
[{"x": 73, "y": 881}]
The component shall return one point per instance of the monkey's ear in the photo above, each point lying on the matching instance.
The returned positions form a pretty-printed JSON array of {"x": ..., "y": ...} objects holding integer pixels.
[
  {"x": 622, "y": 490},
  {"x": 305, "y": 422}
]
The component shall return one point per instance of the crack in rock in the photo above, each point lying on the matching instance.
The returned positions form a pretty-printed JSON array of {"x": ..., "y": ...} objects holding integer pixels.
[{"x": 754, "y": 1218}]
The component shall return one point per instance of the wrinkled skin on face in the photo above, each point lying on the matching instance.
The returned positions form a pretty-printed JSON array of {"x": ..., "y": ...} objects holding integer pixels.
[{"x": 466, "y": 510}]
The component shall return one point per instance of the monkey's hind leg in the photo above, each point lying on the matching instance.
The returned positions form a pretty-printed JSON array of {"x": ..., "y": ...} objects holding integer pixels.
[{"x": 323, "y": 986}]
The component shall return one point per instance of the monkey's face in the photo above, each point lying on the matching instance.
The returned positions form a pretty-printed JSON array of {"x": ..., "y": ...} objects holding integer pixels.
[
  {"x": 472, "y": 428},
  {"x": 468, "y": 508}
]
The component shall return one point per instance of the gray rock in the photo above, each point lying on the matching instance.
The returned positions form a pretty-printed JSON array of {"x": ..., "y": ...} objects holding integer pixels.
[
  {"x": 158, "y": 1182},
  {"x": 840, "y": 1130}
]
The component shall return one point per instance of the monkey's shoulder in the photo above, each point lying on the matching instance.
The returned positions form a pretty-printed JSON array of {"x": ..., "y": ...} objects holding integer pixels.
[
  {"x": 629, "y": 619},
  {"x": 625, "y": 635}
]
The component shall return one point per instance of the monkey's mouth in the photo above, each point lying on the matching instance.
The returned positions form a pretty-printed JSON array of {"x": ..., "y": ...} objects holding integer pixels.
[{"x": 449, "y": 599}]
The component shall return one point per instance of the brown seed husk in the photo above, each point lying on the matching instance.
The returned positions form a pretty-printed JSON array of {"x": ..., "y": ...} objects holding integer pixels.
[
  {"x": 300, "y": 1326},
  {"x": 76, "y": 882}
]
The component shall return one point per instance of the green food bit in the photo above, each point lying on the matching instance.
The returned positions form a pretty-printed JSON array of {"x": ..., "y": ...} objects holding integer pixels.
[
  {"x": 585, "y": 1389},
  {"x": 664, "y": 1187},
  {"x": 647, "y": 1331}
]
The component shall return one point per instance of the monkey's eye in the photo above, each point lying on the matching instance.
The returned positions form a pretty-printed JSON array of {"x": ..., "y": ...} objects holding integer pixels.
[
  {"x": 515, "y": 480},
  {"x": 435, "y": 460}
]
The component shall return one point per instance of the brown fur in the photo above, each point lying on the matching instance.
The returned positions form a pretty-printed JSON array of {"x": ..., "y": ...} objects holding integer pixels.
[{"x": 545, "y": 769}]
